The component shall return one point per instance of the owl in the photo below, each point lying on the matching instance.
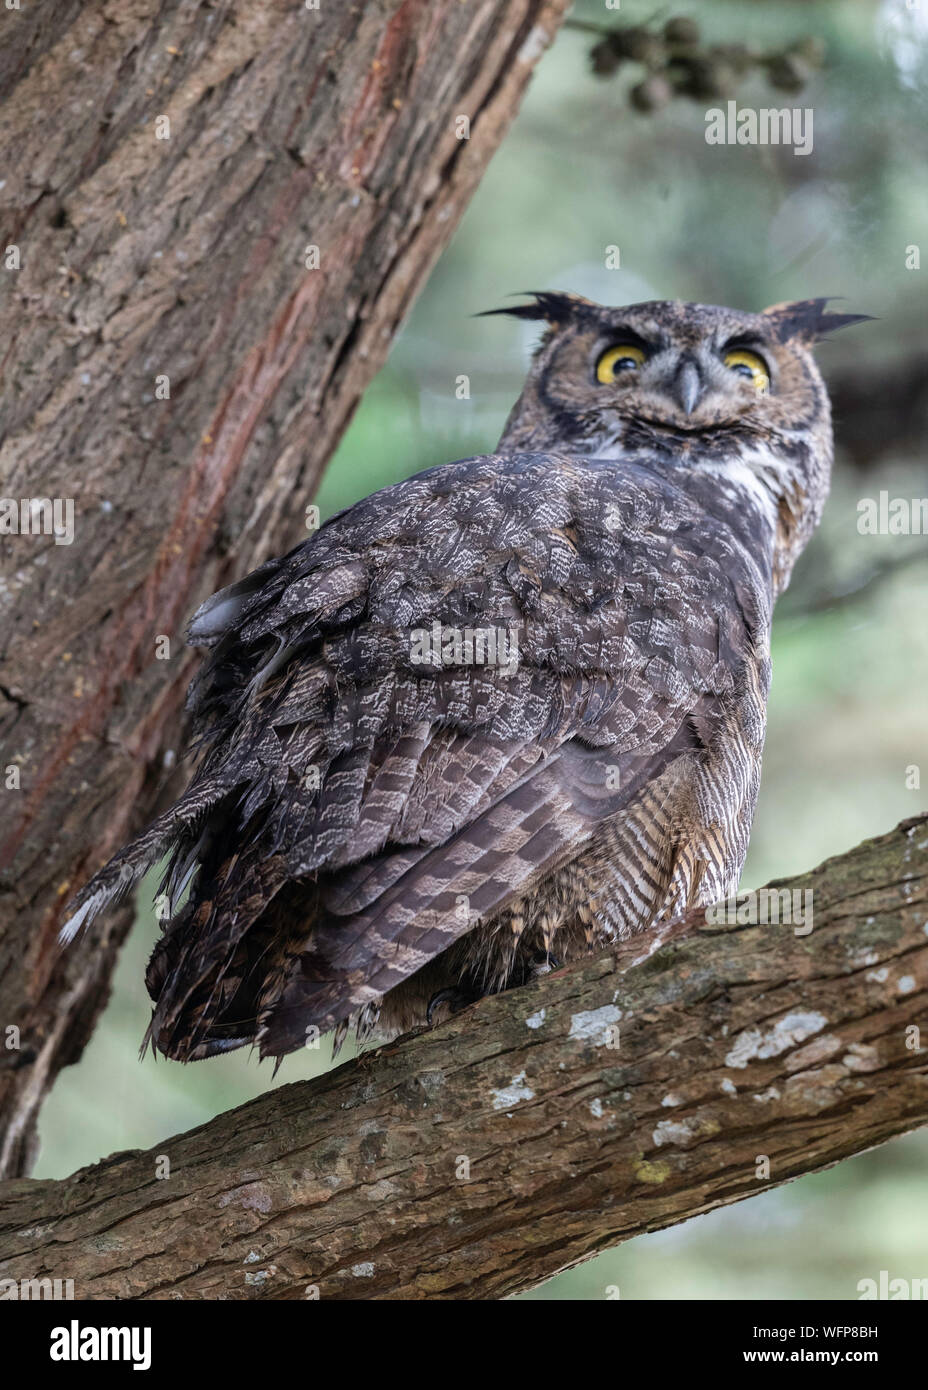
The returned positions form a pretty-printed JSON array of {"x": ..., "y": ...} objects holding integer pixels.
[{"x": 501, "y": 714}]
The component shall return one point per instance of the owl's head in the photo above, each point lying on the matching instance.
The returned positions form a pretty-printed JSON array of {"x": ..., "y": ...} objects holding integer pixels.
[
  {"x": 670, "y": 373},
  {"x": 719, "y": 394}
]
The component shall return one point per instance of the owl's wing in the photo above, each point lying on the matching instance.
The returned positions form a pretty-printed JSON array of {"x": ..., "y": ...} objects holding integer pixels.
[{"x": 354, "y": 795}]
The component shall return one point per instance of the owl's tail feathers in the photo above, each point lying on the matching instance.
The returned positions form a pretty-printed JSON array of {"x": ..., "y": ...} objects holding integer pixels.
[
  {"x": 124, "y": 870},
  {"x": 229, "y": 942}
]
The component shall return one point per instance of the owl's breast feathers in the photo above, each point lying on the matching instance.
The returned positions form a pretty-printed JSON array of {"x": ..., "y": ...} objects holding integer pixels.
[{"x": 372, "y": 787}]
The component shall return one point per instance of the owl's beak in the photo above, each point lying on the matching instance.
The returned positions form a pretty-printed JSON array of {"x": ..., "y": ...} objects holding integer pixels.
[{"x": 687, "y": 386}]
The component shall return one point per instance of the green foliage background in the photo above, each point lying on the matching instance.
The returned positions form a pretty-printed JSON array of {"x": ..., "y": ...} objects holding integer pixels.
[{"x": 745, "y": 226}]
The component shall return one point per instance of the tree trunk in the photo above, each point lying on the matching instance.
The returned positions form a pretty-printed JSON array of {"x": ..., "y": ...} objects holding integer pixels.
[
  {"x": 235, "y": 204},
  {"x": 695, "y": 1067}
]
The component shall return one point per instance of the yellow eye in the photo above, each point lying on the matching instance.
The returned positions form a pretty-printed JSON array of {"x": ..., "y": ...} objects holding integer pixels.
[
  {"x": 748, "y": 364},
  {"x": 616, "y": 360}
]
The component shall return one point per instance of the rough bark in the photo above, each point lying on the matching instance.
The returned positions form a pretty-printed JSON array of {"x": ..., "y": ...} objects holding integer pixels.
[
  {"x": 186, "y": 257},
  {"x": 478, "y": 1159}
]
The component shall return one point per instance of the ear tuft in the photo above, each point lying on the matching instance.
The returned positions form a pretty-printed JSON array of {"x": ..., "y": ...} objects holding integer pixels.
[
  {"x": 807, "y": 319},
  {"x": 550, "y": 306}
]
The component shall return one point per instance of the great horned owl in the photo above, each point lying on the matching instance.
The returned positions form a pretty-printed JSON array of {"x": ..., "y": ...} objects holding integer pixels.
[{"x": 502, "y": 713}]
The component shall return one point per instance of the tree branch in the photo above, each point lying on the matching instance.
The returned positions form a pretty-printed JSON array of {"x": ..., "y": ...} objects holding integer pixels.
[
  {"x": 180, "y": 367},
  {"x": 480, "y": 1158}
]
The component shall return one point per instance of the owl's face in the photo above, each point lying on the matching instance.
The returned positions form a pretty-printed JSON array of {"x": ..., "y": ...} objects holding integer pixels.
[{"x": 705, "y": 378}]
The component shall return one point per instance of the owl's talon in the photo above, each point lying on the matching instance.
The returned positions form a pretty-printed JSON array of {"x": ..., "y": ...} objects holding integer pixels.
[
  {"x": 453, "y": 996},
  {"x": 542, "y": 963}
]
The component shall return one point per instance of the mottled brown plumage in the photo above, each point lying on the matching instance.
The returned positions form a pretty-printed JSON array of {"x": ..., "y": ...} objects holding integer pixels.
[{"x": 376, "y": 822}]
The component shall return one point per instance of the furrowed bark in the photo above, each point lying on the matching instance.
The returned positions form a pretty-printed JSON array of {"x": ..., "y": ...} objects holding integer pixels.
[
  {"x": 478, "y": 1159},
  {"x": 168, "y": 168}
]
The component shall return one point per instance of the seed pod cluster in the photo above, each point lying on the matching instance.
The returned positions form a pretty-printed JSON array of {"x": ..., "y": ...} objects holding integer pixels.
[{"x": 678, "y": 63}]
